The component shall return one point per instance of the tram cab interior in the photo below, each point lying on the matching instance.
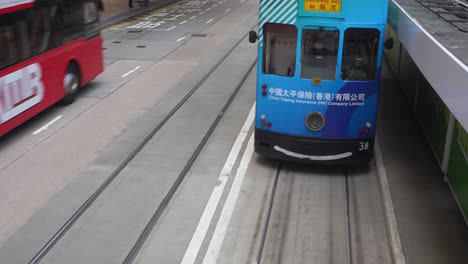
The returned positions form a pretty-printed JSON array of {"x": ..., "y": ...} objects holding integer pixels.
[
  {"x": 319, "y": 53},
  {"x": 280, "y": 49},
  {"x": 360, "y": 54}
]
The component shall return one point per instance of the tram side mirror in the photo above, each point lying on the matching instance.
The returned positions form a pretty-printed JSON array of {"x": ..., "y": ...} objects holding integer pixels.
[
  {"x": 253, "y": 36},
  {"x": 389, "y": 43}
]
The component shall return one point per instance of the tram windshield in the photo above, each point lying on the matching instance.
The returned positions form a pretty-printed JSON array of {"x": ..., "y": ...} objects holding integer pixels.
[
  {"x": 279, "y": 52},
  {"x": 360, "y": 54},
  {"x": 319, "y": 53}
]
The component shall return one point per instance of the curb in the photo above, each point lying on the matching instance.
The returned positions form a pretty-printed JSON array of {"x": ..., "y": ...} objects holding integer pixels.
[{"x": 390, "y": 217}]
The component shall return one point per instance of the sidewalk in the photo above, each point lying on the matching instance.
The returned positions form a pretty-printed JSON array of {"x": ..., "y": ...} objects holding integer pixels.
[
  {"x": 116, "y": 11},
  {"x": 431, "y": 226}
]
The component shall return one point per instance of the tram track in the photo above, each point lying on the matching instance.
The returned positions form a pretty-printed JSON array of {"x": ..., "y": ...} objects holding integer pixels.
[
  {"x": 271, "y": 207},
  {"x": 131, "y": 156},
  {"x": 348, "y": 218},
  {"x": 156, "y": 216},
  {"x": 269, "y": 212}
]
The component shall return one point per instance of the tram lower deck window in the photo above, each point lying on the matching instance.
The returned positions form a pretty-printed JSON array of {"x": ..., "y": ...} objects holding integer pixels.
[
  {"x": 279, "y": 49},
  {"x": 319, "y": 53},
  {"x": 360, "y": 53}
]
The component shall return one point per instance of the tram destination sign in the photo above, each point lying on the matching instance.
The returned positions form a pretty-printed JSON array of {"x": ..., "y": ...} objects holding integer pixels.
[{"x": 332, "y": 6}]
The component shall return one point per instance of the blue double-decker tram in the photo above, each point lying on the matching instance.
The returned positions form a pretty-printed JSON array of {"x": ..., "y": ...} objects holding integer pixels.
[{"x": 319, "y": 67}]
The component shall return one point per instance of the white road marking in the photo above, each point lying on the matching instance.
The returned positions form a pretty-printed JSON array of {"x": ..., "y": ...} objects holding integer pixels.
[
  {"x": 159, "y": 29},
  {"x": 208, "y": 9},
  {"x": 229, "y": 9},
  {"x": 215, "y": 5},
  {"x": 395, "y": 242},
  {"x": 221, "y": 228},
  {"x": 210, "y": 208},
  {"x": 183, "y": 22},
  {"x": 46, "y": 126},
  {"x": 182, "y": 38},
  {"x": 171, "y": 28},
  {"x": 192, "y": 17},
  {"x": 209, "y": 21},
  {"x": 130, "y": 72},
  {"x": 174, "y": 17},
  {"x": 201, "y": 12},
  {"x": 242, "y": 1}
]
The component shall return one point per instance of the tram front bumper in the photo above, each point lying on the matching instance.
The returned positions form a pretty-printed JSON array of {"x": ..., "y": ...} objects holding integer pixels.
[{"x": 347, "y": 152}]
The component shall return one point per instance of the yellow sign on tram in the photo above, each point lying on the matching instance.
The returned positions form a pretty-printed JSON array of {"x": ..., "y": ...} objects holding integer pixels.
[{"x": 333, "y": 6}]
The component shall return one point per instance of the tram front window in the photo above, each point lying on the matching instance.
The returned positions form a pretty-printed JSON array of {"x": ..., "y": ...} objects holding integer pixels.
[
  {"x": 319, "y": 53},
  {"x": 360, "y": 51},
  {"x": 279, "y": 49}
]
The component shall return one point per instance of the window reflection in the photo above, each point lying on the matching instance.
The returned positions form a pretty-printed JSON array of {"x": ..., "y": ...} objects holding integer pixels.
[
  {"x": 319, "y": 53},
  {"x": 30, "y": 32},
  {"x": 360, "y": 54},
  {"x": 8, "y": 52},
  {"x": 279, "y": 49}
]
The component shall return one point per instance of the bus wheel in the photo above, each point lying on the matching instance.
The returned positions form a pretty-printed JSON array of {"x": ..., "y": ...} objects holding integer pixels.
[{"x": 71, "y": 84}]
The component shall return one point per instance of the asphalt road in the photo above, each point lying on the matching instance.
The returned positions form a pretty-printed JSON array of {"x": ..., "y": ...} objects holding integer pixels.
[{"x": 232, "y": 205}]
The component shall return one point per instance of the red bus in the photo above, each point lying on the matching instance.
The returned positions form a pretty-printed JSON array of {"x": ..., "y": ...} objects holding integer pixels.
[{"x": 48, "y": 50}]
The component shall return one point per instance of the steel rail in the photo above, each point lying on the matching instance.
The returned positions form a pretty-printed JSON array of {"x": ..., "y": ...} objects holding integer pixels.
[
  {"x": 269, "y": 213},
  {"x": 168, "y": 198},
  {"x": 79, "y": 212}
]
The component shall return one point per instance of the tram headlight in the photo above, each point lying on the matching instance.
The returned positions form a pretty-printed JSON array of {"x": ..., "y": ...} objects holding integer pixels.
[{"x": 315, "y": 121}]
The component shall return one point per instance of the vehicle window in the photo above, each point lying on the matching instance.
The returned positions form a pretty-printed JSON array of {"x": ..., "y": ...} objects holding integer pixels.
[
  {"x": 8, "y": 44},
  {"x": 279, "y": 49},
  {"x": 39, "y": 30},
  {"x": 22, "y": 36},
  {"x": 319, "y": 53},
  {"x": 27, "y": 33},
  {"x": 90, "y": 12},
  {"x": 67, "y": 22},
  {"x": 14, "y": 39},
  {"x": 360, "y": 53}
]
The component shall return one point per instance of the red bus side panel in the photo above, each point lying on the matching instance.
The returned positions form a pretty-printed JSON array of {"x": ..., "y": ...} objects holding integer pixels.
[
  {"x": 31, "y": 86},
  {"x": 8, "y": 6}
]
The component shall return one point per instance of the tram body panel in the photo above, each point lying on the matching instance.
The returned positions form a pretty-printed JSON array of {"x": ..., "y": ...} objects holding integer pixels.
[
  {"x": 317, "y": 91},
  {"x": 353, "y": 114}
]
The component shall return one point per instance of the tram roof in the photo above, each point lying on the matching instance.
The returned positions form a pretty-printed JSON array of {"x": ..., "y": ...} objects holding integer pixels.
[{"x": 348, "y": 11}]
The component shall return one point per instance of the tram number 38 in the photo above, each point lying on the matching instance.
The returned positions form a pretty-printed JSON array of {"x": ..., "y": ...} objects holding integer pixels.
[{"x": 364, "y": 146}]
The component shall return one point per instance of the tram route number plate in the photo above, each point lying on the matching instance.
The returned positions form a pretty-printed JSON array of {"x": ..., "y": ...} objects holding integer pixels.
[
  {"x": 316, "y": 81},
  {"x": 332, "y": 6},
  {"x": 364, "y": 146}
]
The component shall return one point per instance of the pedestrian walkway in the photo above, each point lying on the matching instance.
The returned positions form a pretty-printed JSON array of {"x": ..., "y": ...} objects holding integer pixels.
[{"x": 431, "y": 226}]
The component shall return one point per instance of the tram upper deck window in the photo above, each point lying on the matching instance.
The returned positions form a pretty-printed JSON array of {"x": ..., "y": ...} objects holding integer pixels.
[
  {"x": 360, "y": 53},
  {"x": 279, "y": 49},
  {"x": 319, "y": 53}
]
